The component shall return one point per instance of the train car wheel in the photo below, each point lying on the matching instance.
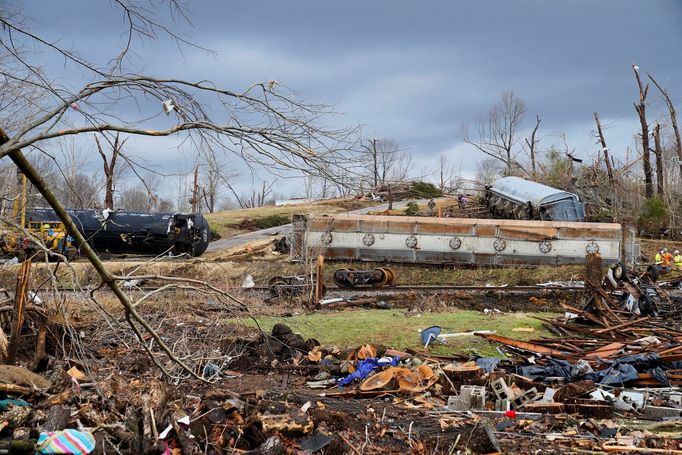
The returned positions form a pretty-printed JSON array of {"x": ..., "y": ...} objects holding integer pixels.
[
  {"x": 383, "y": 280},
  {"x": 340, "y": 278}
]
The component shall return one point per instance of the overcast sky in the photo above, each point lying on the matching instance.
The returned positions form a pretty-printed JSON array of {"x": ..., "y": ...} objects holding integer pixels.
[{"x": 411, "y": 71}]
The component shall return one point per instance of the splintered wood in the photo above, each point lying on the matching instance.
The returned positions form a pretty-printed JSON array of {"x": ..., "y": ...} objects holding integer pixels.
[{"x": 603, "y": 330}]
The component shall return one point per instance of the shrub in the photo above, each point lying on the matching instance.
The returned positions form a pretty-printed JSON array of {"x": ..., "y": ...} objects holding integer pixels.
[
  {"x": 263, "y": 222},
  {"x": 412, "y": 209},
  {"x": 425, "y": 190},
  {"x": 269, "y": 221},
  {"x": 654, "y": 217},
  {"x": 603, "y": 216}
]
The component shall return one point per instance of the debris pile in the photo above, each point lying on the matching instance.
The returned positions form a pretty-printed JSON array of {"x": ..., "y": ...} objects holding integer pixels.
[
  {"x": 610, "y": 382},
  {"x": 370, "y": 398}
]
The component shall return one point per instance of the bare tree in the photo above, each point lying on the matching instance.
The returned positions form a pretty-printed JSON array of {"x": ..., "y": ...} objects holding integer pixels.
[
  {"x": 264, "y": 124},
  {"x": 646, "y": 155},
  {"x": 532, "y": 144},
  {"x": 259, "y": 199},
  {"x": 487, "y": 171},
  {"x": 77, "y": 189},
  {"x": 496, "y": 133},
  {"x": 449, "y": 178},
  {"x": 604, "y": 148},
  {"x": 216, "y": 176},
  {"x": 136, "y": 198},
  {"x": 165, "y": 204},
  {"x": 110, "y": 170},
  {"x": 673, "y": 121},
  {"x": 658, "y": 152},
  {"x": 386, "y": 161}
]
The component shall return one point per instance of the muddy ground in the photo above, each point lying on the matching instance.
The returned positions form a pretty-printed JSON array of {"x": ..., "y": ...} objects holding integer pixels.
[{"x": 203, "y": 327}]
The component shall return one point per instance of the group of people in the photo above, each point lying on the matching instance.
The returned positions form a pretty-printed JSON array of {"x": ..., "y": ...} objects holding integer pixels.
[
  {"x": 666, "y": 260},
  {"x": 462, "y": 201}
]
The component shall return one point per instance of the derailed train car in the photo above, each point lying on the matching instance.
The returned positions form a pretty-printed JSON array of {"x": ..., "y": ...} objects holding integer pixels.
[
  {"x": 142, "y": 233},
  {"x": 470, "y": 241},
  {"x": 520, "y": 199}
]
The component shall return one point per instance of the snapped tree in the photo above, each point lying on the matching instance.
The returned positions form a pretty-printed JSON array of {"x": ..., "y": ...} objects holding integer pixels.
[{"x": 264, "y": 124}]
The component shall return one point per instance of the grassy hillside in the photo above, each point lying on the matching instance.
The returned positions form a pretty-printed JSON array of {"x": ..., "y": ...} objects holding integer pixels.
[{"x": 226, "y": 223}]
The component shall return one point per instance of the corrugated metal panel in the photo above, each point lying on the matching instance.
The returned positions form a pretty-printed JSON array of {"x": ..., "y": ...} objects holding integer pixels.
[{"x": 457, "y": 241}]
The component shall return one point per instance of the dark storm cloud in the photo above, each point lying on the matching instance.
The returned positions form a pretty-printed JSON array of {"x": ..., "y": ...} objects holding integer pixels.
[{"x": 414, "y": 71}]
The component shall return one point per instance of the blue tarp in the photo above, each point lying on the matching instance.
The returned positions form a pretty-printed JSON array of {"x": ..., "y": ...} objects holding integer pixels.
[{"x": 363, "y": 369}]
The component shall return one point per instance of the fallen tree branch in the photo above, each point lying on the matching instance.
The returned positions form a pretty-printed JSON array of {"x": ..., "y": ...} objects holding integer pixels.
[{"x": 131, "y": 314}]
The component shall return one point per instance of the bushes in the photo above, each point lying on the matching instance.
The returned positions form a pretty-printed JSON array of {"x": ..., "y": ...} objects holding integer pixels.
[
  {"x": 425, "y": 190},
  {"x": 412, "y": 209},
  {"x": 263, "y": 222},
  {"x": 269, "y": 221},
  {"x": 654, "y": 217}
]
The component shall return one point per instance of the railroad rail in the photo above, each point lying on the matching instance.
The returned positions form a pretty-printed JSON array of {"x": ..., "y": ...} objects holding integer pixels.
[{"x": 348, "y": 289}]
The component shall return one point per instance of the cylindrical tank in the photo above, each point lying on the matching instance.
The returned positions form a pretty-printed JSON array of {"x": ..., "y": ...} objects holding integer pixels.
[
  {"x": 117, "y": 231},
  {"x": 540, "y": 201}
]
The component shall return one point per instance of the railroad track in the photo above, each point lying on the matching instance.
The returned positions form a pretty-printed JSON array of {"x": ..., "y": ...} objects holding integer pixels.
[
  {"x": 365, "y": 289},
  {"x": 359, "y": 289}
]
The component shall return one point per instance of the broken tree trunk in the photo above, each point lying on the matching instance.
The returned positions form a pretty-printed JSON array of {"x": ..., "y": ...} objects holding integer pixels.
[
  {"x": 57, "y": 418},
  {"x": 319, "y": 285},
  {"x": 40, "y": 357},
  {"x": 646, "y": 157},
  {"x": 532, "y": 144},
  {"x": 195, "y": 190},
  {"x": 132, "y": 316},
  {"x": 109, "y": 169},
  {"x": 605, "y": 149},
  {"x": 658, "y": 151},
  {"x": 673, "y": 121},
  {"x": 19, "y": 307}
]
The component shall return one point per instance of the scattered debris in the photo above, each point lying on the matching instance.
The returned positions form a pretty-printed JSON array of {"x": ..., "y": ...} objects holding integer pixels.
[{"x": 248, "y": 282}]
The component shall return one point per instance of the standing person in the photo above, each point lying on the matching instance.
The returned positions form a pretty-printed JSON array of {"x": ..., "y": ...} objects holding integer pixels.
[
  {"x": 677, "y": 259},
  {"x": 667, "y": 260}
]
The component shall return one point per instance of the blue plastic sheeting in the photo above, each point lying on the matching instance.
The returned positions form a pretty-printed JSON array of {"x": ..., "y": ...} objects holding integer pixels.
[
  {"x": 364, "y": 367},
  {"x": 613, "y": 375},
  {"x": 554, "y": 368},
  {"x": 660, "y": 375},
  {"x": 620, "y": 371},
  {"x": 641, "y": 361}
]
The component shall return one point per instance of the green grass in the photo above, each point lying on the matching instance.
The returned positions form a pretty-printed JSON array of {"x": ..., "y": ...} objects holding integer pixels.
[
  {"x": 224, "y": 222},
  {"x": 399, "y": 329}
]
